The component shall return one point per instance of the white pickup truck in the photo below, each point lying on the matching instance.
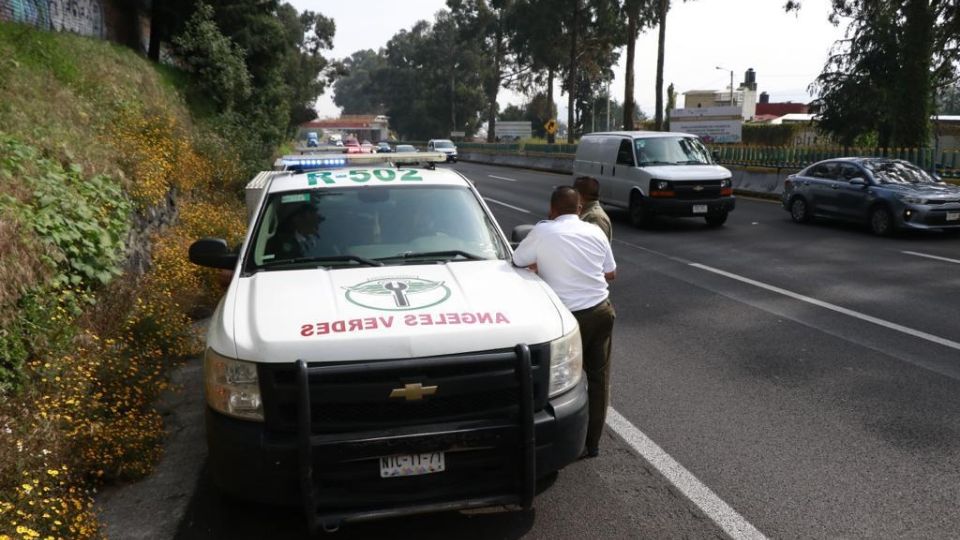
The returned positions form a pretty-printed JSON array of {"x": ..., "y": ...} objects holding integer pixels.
[{"x": 377, "y": 354}]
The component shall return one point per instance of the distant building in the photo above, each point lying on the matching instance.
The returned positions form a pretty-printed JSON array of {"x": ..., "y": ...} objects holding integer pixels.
[
  {"x": 743, "y": 97},
  {"x": 765, "y": 108},
  {"x": 374, "y": 128}
]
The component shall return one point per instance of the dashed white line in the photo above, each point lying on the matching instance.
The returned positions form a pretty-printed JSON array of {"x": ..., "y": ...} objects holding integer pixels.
[
  {"x": 510, "y": 206},
  {"x": 928, "y": 256},
  {"x": 502, "y": 178},
  {"x": 706, "y": 500},
  {"x": 833, "y": 307}
]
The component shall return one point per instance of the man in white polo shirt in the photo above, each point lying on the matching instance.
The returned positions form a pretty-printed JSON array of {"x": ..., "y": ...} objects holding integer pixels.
[{"x": 576, "y": 260}]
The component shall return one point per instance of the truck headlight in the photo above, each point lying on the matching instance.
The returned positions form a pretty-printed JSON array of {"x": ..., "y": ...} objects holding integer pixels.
[
  {"x": 232, "y": 386},
  {"x": 566, "y": 362}
]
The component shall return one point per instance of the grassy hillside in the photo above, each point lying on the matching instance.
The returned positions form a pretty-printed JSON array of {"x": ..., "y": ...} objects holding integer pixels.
[{"x": 92, "y": 139}]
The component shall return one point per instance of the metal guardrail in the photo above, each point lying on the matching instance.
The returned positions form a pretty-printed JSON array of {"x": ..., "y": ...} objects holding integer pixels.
[{"x": 946, "y": 164}]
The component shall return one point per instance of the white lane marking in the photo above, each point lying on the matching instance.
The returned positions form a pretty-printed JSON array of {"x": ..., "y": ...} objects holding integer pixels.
[
  {"x": 934, "y": 257},
  {"x": 833, "y": 307},
  {"x": 706, "y": 500},
  {"x": 502, "y": 178},
  {"x": 510, "y": 206}
]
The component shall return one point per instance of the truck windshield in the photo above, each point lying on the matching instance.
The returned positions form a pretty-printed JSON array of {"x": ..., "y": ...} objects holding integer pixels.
[
  {"x": 443, "y": 144},
  {"x": 671, "y": 151},
  {"x": 372, "y": 226}
]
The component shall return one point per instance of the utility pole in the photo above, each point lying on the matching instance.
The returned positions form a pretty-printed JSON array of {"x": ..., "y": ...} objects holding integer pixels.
[{"x": 608, "y": 105}]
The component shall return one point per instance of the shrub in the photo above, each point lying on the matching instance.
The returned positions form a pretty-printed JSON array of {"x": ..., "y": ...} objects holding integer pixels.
[{"x": 217, "y": 61}]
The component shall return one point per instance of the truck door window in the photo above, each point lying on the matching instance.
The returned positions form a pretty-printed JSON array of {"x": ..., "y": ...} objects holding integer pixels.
[{"x": 625, "y": 154}]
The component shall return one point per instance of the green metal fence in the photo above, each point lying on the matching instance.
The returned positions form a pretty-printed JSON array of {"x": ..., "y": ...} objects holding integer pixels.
[{"x": 946, "y": 164}]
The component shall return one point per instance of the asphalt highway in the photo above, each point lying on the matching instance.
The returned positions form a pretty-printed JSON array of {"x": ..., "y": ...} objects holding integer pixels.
[{"x": 770, "y": 379}]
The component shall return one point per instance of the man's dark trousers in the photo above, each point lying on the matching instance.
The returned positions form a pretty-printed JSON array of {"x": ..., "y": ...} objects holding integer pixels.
[{"x": 596, "y": 333}]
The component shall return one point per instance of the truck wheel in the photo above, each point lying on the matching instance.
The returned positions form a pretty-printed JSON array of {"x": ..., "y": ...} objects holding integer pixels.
[
  {"x": 716, "y": 220},
  {"x": 881, "y": 221},
  {"x": 638, "y": 216}
]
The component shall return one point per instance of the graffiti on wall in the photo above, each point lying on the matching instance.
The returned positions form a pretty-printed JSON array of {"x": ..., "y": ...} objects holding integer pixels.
[
  {"x": 33, "y": 12},
  {"x": 83, "y": 17}
]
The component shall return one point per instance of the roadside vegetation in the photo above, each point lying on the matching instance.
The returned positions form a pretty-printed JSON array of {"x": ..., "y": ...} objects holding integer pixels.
[{"x": 96, "y": 141}]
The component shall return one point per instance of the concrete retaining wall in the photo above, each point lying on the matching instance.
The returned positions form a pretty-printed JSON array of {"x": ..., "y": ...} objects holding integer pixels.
[{"x": 754, "y": 181}]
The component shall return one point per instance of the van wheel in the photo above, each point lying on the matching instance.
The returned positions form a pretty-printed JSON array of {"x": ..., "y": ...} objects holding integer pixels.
[
  {"x": 638, "y": 216},
  {"x": 716, "y": 220},
  {"x": 881, "y": 221}
]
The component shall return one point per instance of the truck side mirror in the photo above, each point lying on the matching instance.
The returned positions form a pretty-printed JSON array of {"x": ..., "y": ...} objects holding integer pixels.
[
  {"x": 213, "y": 253},
  {"x": 519, "y": 233},
  {"x": 716, "y": 155}
]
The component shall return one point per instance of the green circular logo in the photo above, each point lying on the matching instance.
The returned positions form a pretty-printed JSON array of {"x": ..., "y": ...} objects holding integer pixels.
[{"x": 398, "y": 293}]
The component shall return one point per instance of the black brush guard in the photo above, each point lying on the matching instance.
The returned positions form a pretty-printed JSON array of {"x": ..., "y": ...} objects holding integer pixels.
[{"x": 307, "y": 440}]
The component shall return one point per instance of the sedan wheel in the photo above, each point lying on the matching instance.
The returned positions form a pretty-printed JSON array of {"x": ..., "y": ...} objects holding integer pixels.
[
  {"x": 799, "y": 210},
  {"x": 881, "y": 221}
]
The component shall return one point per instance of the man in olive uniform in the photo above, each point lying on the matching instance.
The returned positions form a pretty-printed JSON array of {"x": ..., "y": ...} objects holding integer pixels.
[{"x": 592, "y": 212}]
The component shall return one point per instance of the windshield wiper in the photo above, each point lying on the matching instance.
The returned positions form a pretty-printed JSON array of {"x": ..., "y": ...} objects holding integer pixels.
[
  {"x": 436, "y": 254},
  {"x": 642, "y": 163},
  {"x": 319, "y": 261}
]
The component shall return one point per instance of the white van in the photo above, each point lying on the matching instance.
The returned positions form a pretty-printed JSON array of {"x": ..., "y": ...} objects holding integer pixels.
[
  {"x": 377, "y": 354},
  {"x": 654, "y": 173},
  {"x": 444, "y": 146}
]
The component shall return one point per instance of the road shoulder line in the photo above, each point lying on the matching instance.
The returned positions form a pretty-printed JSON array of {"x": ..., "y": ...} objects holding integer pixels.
[
  {"x": 928, "y": 256},
  {"x": 703, "y": 497},
  {"x": 510, "y": 206}
]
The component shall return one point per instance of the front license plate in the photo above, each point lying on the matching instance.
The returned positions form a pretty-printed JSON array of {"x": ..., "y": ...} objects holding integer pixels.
[
  {"x": 411, "y": 465},
  {"x": 953, "y": 216},
  {"x": 699, "y": 209}
]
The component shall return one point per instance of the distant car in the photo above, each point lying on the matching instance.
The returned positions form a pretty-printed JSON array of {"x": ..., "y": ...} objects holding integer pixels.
[
  {"x": 384, "y": 148},
  {"x": 886, "y": 194},
  {"x": 367, "y": 148},
  {"x": 406, "y": 148},
  {"x": 351, "y": 146},
  {"x": 313, "y": 140},
  {"x": 444, "y": 146}
]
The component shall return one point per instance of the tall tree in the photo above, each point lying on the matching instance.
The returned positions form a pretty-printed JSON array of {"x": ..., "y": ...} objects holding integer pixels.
[
  {"x": 595, "y": 32},
  {"x": 487, "y": 22},
  {"x": 639, "y": 14},
  {"x": 662, "y": 9},
  {"x": 538, "y": 31},
  {"x": 883, "y": 76}
]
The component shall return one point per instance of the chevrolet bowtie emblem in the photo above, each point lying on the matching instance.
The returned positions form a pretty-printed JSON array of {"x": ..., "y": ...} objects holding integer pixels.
[
  {"x": 698, "y": 188},
  {"x": 413, "y": 392}
]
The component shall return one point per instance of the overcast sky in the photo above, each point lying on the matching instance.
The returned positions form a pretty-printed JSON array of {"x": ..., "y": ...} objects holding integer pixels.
[{"x": 786, "y": 50}]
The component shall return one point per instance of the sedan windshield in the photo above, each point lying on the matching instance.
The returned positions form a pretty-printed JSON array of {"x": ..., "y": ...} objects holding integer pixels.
[
  {"x": 671, "y": 151},
  {"x": 888, "y": 171},
  {"x": 372, "y": 227}
]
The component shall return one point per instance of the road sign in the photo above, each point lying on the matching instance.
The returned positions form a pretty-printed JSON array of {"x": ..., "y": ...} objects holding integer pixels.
[
  {"x": 551, "y": 126},
  {"x": 458, "y": 133}
]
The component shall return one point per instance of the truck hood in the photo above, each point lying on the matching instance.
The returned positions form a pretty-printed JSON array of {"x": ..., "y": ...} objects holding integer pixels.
[
  {"x": 687, "y": 172},
  {"x": 391, "y": 312}
]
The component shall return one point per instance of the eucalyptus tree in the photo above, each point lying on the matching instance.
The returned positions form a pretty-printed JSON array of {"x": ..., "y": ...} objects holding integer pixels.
[
  {"x": 640, "y": 14},
  {"x": 486, "y": 24},
  {"x": 537, "y": 31}
]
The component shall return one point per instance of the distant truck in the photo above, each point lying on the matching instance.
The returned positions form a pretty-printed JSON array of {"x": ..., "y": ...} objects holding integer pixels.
[
  {"x": 313, "y": 140},
  {"x": 335, "y": 138},
  {"x": 513, "y": 131}
]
